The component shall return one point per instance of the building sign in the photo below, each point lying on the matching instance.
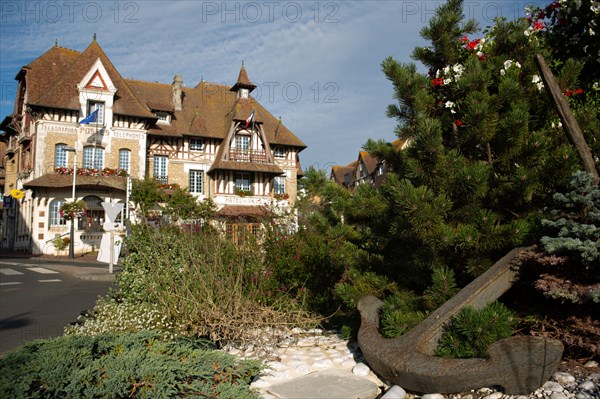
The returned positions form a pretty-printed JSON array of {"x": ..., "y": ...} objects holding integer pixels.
[
  {"x": 121, "y": 134},
  {"x": 90, "y": 130},
  {"x": 237, "y": 200},
  {"x": 7, "y": 201}
]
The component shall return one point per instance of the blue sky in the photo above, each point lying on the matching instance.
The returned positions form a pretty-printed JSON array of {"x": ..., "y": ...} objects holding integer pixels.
[{"x": 316, "y": 63}]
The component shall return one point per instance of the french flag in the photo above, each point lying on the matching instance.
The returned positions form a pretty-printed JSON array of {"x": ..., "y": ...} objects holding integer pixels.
[{"x": 250, "y": 119}]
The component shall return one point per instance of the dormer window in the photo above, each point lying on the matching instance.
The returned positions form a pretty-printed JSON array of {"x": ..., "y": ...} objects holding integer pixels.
[
  {"x": 196, "y": 144},
  {"x": 163, "y": 117},
  {"x": 242, "y": 142},
  {"x": 93, "y": 106},
  {"x": 279, "y": 151}
]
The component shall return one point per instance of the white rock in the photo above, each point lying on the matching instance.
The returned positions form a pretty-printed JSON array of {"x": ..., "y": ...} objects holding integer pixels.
[
  {"x": 467, "y": 396},
  {"x": 594, "y": 377},
  {"x": 495, "y": 395},
  {"x": 277, "y": 366},
  {"x": 591, "y": 363},
  {"x": 484, "y": 391},
  {"x": 553, "y": 386},
  {"x": 280, "y": 375},
  {"x": 583, "y": 395},
  {"x": 259, "y": 383},
  {"x": 433, "y": 396},
  {"x": 521, "y": 397},
  {"x": 361, "y": 370},
  {"x": 394, "y": 392},
  {"x": 294, "y": 363},
  {"x": 558, "y": 395},
  {"x": 301, "y": 369},
  {"x": 588, "y": 385},
  {"x": 563, "y": 378},
  {"x": 348, "y": 364},
  {"x": 322, "y": 364},
  {"x": 338, "y": 359}
]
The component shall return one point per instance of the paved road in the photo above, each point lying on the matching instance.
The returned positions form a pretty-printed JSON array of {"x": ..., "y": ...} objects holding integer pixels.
[{"x": 38, "y": 298}]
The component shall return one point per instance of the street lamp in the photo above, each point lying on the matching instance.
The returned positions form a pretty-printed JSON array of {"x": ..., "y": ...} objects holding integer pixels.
[{"x": 72, "y": 235}]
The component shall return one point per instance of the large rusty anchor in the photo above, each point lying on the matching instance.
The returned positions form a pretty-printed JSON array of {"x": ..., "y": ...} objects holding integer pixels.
[{"x": 519, "y": 364}]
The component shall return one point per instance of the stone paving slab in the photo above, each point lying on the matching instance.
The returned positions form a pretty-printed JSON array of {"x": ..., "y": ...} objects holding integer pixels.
[{"x": 327, "y": 384}]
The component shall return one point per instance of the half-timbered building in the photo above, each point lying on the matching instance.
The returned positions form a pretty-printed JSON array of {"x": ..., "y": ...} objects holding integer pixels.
[{"x": 74, "y": 110}]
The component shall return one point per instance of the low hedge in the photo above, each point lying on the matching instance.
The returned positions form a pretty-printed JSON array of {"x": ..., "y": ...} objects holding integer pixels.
[{"x": 140, "y": 365}]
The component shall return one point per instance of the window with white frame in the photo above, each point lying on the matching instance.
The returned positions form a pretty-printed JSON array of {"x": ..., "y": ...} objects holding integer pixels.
[
  {"x": 242, "y": 142},
  {"x": 279, "y": 184},
  {"x": 124, "y": 157},
  {"x": 60, "y": 155},
  {"x": 197, "y": 181},
  {"x": 92, "y": 106},
  {"x": 163, "y": 117},
  {"x": 93, "y": 157},
  {"x": 196, "y": 144},
  {"x": 279, "y": 151},
  {"x": 242, "y": 181},
  {"x": 160, "y": 168},
  {"x": 54, "y": 213}
]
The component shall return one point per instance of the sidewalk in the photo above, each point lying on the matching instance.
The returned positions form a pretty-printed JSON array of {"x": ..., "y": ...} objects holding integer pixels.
[{"x": 85, "y": 267}]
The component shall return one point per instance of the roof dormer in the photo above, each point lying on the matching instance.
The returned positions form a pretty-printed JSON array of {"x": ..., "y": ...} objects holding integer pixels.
[{"x": 97, "y": 91}]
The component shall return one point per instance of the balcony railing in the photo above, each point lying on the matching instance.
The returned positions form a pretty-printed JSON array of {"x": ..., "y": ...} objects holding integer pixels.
[
  {"x": 247, "y": 155},
  {"x": 162, "y": 179}
]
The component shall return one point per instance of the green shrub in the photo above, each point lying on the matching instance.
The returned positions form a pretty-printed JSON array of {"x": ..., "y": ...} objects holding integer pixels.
[
  {"x": 111, "y": 316},
  {"x": 361, "y": 284},
  {"x": 443, "y": 287},
  {"x": 207, "y": 285},
  {"x": 471, "y": 331},
  {"x": 575, "y": 222},
  {"x": 124, "y": 366},
  {"x": 310, "y": 261},
  {"x": 399, "y": 313}
]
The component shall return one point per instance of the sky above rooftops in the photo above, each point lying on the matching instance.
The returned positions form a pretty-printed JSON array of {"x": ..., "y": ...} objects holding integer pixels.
[{"x": 316, "y": 63}]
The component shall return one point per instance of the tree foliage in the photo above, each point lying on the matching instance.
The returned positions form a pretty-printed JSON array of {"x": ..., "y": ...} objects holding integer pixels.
[{"x": 575, "y": 222}]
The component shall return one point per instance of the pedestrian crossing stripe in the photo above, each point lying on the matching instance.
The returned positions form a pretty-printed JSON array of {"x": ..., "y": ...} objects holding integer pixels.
[
  {"x": 41, "y": 270},
  {"x": 10, "y": 272},
  {"x": 55, "y": 280},
  {"x": 11, "y": 283}
]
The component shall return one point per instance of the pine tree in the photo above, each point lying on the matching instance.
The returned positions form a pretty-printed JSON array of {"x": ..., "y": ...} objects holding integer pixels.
[{"x": 483, "y": 157}]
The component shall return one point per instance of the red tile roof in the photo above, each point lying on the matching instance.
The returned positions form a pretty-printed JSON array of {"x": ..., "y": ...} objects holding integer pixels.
[
  {"x": 56, "y": 180},
  {"x": 243, "y": 81},
  {"x": 369, "y": 161},
  {"x": 62, "y": 92},
  {"x": 242, "y": 210},
  {"x": 207, "y": 111}
]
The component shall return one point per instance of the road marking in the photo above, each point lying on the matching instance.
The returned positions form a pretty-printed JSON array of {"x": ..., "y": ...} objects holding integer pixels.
[
  {"x": 11, "y": 283},
  {"x": 41, "y": 270},
  {"x": 10, "y": 272},
  {"x": 55, "y": 280}
]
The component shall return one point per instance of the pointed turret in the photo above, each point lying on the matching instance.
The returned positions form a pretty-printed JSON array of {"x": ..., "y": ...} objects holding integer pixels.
[{"x": 243, "y": 86}]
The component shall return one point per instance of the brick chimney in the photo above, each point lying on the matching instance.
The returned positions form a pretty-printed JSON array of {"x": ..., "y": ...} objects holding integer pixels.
[{"x": 177, "y": 92}]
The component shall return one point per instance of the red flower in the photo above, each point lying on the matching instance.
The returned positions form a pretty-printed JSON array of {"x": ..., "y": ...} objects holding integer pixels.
[
  {"x": 437, "y": 81},
  {"x": 482, "y": 57},
  {"x": 537, "y": 25},
  {"x": 472, "y": 44},
  {"x": 458, "y": 122},
  {"x": 464, "y": 39},
  {"x": 571, "y": 92}
]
